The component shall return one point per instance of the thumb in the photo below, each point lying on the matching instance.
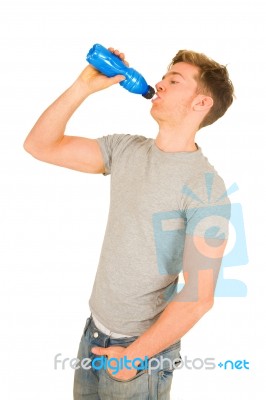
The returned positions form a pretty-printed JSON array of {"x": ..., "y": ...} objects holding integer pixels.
[
  {"x": 100, "y": 351},
  {"x": 117, "y": 79}
]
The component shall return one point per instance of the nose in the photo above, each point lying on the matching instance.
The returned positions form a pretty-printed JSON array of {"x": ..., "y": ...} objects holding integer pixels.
[{"x": 160, "y": 86}]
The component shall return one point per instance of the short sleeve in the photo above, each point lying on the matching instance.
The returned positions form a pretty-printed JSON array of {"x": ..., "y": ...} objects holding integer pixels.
[{"x": 113, "y": 146}]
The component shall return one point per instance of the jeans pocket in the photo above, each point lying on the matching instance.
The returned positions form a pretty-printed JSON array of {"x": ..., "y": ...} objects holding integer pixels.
[
  {"x": 165, "y": 378},
  {"x": 138, "y": 374},
  {"x": 136, "y": 388},
  {"x": 169, "y": 360}
]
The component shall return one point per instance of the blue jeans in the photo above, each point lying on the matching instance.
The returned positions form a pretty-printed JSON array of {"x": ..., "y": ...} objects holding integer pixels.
[{"x": 99, "y": 384}]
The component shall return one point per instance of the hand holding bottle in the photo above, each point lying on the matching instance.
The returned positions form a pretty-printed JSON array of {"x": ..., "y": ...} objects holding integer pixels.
[
  {"x": 110, "y": 64},
  {"x": 96, "y": 81}
]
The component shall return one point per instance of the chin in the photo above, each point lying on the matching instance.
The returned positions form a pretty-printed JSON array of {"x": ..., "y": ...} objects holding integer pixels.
[{"x": 154, "y": 113}]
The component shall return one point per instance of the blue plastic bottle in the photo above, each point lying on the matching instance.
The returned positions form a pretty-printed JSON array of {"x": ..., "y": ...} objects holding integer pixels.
[{"x": 110, "y": 65}]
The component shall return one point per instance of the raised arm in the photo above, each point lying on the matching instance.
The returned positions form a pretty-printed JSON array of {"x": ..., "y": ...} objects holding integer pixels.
[{"x": 47, "y": 140}]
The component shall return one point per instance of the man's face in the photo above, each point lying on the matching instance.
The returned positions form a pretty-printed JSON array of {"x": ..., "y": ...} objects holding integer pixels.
[{"x": 175, "y": 93}]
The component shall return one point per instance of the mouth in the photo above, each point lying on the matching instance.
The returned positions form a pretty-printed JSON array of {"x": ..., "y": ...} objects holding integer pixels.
[{"x": 155, "y": 98}]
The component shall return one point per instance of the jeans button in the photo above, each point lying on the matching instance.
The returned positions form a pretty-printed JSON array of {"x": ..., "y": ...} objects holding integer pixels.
[{"x": 96, "y": 334}]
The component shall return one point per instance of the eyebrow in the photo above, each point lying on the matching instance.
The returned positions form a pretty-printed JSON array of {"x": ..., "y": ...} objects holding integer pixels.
[{"x": 173, "y": 73}]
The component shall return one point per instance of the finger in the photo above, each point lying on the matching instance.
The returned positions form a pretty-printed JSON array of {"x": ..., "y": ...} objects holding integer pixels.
[
  {"x": 117, "y": 79},
  {"x": 122, "y": 56},
  {"x": 100, "y": 351},
  {"x": 114, "y": 80},
  {"x": 118, "y": 54}
]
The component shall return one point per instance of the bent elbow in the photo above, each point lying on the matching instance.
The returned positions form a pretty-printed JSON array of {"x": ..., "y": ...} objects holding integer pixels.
[
  {"x": 31, "y": 150},
  {"x": 26, "y": 146},
  {"x": 31, "y": 147}
]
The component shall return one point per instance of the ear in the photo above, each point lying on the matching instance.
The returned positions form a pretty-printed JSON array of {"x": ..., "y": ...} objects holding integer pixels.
[{"x": 202, "y": 103}]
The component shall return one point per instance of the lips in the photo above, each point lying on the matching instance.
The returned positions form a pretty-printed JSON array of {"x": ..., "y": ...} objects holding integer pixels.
[{"x": 155, "y": 98}]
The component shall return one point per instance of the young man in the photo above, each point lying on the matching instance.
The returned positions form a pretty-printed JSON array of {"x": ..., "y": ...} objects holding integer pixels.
[{"x": 169, "y": 213}]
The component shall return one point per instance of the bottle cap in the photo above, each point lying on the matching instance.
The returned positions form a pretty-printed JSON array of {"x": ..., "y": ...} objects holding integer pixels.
[{"x": 150, "y": 93}]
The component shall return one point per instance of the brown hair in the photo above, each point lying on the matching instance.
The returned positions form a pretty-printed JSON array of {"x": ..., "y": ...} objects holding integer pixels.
[{"x": 213, "y": 80}]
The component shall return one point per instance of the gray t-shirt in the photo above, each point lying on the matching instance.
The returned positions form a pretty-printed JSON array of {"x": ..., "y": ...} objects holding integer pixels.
[{"x": 158, "y": 200}]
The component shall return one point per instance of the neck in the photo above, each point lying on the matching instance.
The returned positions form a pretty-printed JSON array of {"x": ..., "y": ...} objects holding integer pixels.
[{"x": 175, "y": 140}]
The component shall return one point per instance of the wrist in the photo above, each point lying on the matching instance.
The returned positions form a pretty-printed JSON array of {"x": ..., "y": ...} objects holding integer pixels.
[
  {"x": 135, "y": 350},
  {"x": 82, "y": 88}
]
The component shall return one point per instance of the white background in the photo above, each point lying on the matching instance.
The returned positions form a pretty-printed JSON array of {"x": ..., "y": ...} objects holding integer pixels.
[{"x": 53, "y": 219}]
